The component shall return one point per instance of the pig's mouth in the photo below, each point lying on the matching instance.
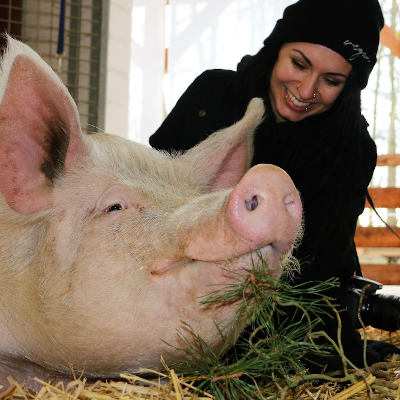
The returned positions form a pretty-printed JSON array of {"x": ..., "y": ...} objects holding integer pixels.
[
  {"x": 273, "y": 256},
  {"x": 274, "y": 260}
]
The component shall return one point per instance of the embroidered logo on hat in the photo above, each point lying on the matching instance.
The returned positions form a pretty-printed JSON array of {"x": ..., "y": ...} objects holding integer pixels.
[{"x": 358, "y": 51}]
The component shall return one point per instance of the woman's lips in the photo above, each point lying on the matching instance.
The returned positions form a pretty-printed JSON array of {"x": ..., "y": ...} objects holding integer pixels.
[{"x": 295, "y": 104}]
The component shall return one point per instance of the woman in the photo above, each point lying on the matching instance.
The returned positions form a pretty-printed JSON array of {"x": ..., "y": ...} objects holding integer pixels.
[{"x": 310, "y": 73}]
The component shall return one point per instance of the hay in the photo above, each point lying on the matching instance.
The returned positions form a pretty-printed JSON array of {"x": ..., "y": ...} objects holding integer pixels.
[
  {"x": 378, "y": 334},
  {"x": 380, "y": 381},
  {"x": 176, "y": 389},
  {"x": 131, "y": 387}
]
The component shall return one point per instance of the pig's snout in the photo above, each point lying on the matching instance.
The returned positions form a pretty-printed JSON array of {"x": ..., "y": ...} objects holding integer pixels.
[{"x": 265, "y": 208}]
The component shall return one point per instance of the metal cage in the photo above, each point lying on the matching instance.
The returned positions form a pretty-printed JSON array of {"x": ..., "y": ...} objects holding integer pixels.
[{"x": 69, "y": 35}]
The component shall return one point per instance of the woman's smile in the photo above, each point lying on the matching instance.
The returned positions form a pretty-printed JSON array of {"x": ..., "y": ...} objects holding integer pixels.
[{"x": 297, "y": 104}]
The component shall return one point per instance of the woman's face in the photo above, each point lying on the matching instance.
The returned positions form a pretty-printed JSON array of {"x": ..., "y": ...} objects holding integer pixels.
[{"x": 306, "y": 80}]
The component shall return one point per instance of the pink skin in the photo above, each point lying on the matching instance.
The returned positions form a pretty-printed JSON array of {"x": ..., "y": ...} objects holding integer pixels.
[
  {"x": 264, "y": 198},
  {"x": 306, "y": 80}
]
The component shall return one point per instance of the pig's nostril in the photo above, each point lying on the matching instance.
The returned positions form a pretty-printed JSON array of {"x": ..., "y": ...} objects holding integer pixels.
[
  {"x": 289, "y": 199},
  {"x": 293, "y": 204},
  {"x": 251, "y": 204}
]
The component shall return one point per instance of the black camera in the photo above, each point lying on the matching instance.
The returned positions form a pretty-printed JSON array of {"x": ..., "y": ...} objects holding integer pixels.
[{"x": 374, "y": 309}]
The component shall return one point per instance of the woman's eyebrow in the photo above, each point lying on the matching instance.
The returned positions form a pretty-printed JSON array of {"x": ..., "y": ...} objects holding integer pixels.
[
  {"x": 304, "y": 56},
  {"x": 309, "y": 63}
]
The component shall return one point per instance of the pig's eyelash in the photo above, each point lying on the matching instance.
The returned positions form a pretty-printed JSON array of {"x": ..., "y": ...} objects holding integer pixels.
[{"x": 114, "y": 208}]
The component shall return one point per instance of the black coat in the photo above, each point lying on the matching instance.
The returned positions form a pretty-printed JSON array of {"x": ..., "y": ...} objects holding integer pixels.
[{"x": 330, "y": 157}]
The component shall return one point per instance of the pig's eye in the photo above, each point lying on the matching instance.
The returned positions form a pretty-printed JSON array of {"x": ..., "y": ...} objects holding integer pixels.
[{"x": 114, "y": 207}]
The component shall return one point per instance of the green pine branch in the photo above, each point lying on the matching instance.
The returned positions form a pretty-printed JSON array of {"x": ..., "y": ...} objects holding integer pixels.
[{"x": 269, "y": 358}]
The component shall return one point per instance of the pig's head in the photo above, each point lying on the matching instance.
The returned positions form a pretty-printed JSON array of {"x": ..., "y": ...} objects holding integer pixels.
[{"x": 107, "y": 245}]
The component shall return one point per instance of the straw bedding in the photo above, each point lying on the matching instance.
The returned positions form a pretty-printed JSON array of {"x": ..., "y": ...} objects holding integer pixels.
[{"x": 381, "y": 381}]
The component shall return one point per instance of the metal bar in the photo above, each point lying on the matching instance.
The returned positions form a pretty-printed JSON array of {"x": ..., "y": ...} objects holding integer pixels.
[
  {"x": 74, "y": 48},
  {"x": 101, "y": 104},
  {"x": 61, "y": 28},
  {"x": 95, "y": 53}
]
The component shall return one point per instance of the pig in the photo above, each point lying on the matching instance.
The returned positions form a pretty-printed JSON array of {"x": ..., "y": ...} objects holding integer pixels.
[{"x": 106, "y": 245}]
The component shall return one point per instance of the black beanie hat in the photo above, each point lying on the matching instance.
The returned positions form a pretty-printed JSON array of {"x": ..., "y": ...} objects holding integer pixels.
[{"x": 349, "y": 27}]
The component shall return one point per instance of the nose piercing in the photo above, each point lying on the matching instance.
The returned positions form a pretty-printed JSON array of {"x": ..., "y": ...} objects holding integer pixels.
[{"x": 315, "y": 93}]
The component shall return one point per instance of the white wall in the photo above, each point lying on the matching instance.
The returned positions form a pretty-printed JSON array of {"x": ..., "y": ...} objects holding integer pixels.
[
  {"x": 117, "y": 99},
  {"x": 147, "y": 68},
  {"x": 215, "y": 34}
]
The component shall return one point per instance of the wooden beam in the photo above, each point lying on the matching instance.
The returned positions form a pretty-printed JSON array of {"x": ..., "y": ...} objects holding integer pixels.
[
  {"x": 384, "y": 197},
  {"x": 391, "y": 39},
  {"x": 376, "y": 237},
  {"x": 387, "y": 274},
  {"x": 366, "y": 253},
  {"x": 388, "y": 160}
]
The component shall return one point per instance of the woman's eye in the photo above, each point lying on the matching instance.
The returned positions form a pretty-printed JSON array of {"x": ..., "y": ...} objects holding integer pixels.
[
  {"x": 113, "y": 208},
  {"x": 333, "y": 82},
  {"x": 298, "y": 64}
]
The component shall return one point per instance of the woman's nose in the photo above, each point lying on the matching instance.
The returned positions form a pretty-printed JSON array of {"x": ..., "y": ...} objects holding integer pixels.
[{"x": 308, "y": 87}]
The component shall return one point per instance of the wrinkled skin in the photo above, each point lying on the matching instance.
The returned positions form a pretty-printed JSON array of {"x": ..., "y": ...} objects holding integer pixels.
[{"x": 106, "y": 245}]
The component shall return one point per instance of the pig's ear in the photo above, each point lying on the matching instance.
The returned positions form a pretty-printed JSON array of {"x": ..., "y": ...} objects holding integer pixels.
[
  {"x": 222, "y": 159},
  {"x": 40, "y": 135}
]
